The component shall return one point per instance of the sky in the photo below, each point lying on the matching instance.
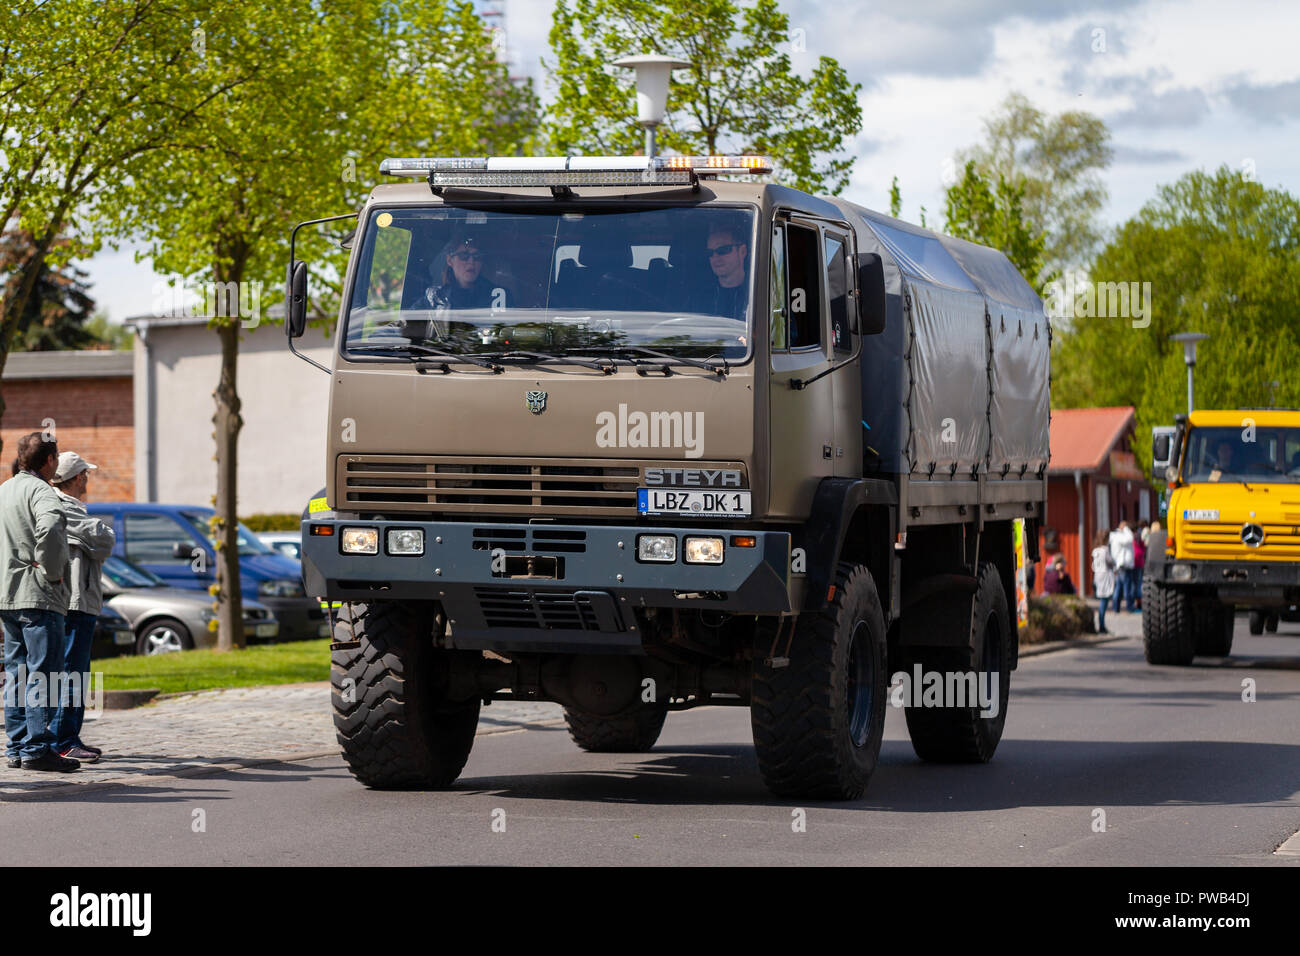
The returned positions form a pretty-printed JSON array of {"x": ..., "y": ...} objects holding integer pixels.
[{"x": 1182, "y": 85}]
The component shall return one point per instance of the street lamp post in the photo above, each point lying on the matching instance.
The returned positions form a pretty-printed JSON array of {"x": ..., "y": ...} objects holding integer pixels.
[
  {"x": 1189, "y": 340},
  {"x": 652, "y": 75}
]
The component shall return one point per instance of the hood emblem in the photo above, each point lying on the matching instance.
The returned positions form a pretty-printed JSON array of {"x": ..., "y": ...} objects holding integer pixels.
[
  {"x": 536, "y": 401},
  {"x": 1252, "y": 535}
]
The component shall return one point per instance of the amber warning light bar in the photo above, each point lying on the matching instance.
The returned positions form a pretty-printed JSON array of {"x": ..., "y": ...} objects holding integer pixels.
[{"x": 573, "y": 170}]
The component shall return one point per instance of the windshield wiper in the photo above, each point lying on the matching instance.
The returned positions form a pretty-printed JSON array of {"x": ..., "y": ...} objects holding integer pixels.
[
  {"x": 416, "y": 352},
  {"x": 542, "y": 358},
  {"x": 665, "y": 359}
]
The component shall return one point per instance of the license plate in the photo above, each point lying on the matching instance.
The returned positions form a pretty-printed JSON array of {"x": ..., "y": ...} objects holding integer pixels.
[
  {"x": 699, "y": 504},
  {"x": 1200, "y": 514},
  {"x": 325, "y": 630},
  {"x": 123, "y": 637},
  {"x": 266, "y": 630}
]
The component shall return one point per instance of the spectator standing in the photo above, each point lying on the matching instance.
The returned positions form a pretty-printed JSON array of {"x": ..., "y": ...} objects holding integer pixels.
[
  {"x": 1139, "y": 561},
  {"x": 90, "y": 542},
  {"x": 33, "y": 603},
  {"x": 1103, "y": 576},
  {"x": 1121, "y": 549}
]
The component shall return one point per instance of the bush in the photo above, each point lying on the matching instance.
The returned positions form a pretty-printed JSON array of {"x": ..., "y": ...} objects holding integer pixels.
[
  {"x": 280, "y": 522},
  {"x": 1057, "y": 617}
]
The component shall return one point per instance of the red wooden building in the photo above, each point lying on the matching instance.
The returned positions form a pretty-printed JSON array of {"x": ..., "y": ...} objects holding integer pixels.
[{"x": 1093, "y": 482}]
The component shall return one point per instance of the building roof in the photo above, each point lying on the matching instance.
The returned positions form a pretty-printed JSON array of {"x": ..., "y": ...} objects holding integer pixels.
[
  {"x": 74, "y": 363},
  {"x": 1082, "y": 438}
]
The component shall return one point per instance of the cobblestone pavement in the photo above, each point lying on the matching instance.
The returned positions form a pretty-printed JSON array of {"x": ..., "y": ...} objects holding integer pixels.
[{"x": 192, "y": 733}]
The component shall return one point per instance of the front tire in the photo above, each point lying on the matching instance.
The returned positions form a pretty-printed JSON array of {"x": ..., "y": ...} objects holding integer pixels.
[
  {"x": 396, "y": 723},
  {"x": 950, "y": 734},
  {"x": 163, "y": 635},
  {"x": 1167, "y": 630},
  {"x": 631, "y": 733},
  {"x": 819, "y": 720}
]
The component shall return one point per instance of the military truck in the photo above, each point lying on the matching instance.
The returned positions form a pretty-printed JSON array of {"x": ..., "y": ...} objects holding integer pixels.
[
  {"x": 633, "y": 435},
  {"x": 1233, "y": 535}
]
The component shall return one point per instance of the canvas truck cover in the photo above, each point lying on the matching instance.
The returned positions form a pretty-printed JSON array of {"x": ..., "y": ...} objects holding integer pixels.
[{"x": 957, "y": 384}]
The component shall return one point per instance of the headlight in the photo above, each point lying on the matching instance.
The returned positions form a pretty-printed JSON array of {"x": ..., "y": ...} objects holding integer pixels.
[
  {"x": 360, "y": 541},
  {"x": 207, "y": 614},
  {"x": 702, "y": 551},
  {"x": 656, "y": 547},
  {"x": 405, "y": 541},
  {"x": 280, "y": 587},
  {"x": 1181, "y": 572}
]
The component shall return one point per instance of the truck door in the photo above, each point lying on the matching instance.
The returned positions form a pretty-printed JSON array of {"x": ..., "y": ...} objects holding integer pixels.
[
  {"x": 846, "y": 382},
  {"x": 802, "y": 419}
]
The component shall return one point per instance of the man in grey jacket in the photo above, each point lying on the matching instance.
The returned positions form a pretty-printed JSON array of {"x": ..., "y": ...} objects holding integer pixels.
[
  {"x": 90, "y": 542},
  {"x": 33, "y": 602}
]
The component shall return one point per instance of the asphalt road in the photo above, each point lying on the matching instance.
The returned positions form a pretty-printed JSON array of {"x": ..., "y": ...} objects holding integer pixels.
[{"x": 1185, "y": 771}]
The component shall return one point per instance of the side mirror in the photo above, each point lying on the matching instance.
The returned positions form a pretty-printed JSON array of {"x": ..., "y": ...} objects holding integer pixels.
[
  {"x": 1160, "y": 448},
  {"x": 182, "y": 550},
  {"x": 295, "y": 300},
  {"x": 871, "y": 294}
]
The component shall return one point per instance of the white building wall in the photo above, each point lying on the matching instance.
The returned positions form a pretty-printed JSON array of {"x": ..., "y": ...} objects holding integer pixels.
[{"x": 285, "y": 403}]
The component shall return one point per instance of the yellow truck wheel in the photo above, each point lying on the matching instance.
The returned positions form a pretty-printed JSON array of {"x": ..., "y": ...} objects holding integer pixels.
[{"x": 1167, "y": 627}]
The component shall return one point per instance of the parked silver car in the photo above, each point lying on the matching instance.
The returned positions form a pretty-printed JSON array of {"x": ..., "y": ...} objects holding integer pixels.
[
  {"x": 172, "y": 619},
  {"x": 288, "y": 543}
]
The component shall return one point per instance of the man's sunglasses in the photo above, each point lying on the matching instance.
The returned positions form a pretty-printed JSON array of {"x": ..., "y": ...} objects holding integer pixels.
[
  {"x": 723, "y": 250},
  {"x": 468, "y": 256}
]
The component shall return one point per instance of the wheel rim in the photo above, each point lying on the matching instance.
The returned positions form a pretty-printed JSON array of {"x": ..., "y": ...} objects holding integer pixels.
[
  {"x": 162, "y": 640},
  {"x": 860, "y": 685}
]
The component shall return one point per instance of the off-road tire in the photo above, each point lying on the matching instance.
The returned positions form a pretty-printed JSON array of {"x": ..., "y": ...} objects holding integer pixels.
[
  {"x": 1168, "y": 632},
  {"x": 632, "y": 733},
  {"x": 1257, "y": 622},
  {"x": 1214, "y": 638},
  {"x": 400, "y": 732},
  {"x": 961, "y": 734},
  {"x": 817, "y": 729}
]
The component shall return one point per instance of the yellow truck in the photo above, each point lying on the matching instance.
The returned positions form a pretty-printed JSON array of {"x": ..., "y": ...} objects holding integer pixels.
[{"x": 1233, "y": 535}]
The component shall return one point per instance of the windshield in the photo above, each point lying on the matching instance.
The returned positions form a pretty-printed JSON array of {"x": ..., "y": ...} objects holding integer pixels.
[
  {"x": 248, "y": 542},
  {"x": 469, "y": 282},
  {"x": 1244, "y": 454},
  {"x": 127, "y": 575}
]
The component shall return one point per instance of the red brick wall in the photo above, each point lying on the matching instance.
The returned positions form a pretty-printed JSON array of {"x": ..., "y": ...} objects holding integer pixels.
[{"x": 92, "y": 416}]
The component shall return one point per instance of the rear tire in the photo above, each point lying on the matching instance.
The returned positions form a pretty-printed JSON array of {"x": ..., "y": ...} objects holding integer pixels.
[
  {"x": 396, "y": 725},
  {"x": 960, "y": 734},
  {"x": 1257, "y": 622},
  {"x": 1167, "y": 633},
  {"x": 819, "y": 720},
  {"x": 1215, "y": 638},
  {"x": 1271, "y": 623},
  {"x": 631, "y": 733}
]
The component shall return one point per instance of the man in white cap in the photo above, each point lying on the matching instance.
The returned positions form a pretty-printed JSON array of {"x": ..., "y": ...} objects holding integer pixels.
[{"x": 90, "y": 542}]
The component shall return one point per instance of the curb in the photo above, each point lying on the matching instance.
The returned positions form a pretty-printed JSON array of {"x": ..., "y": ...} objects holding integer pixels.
[{"x": 1034, "y": 650}]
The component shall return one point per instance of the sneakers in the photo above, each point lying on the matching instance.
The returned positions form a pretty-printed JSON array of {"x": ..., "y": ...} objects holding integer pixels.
[
  {"x": 82, "y": 754},
  {"x": 97, "y": 751},
  {"x": 50, "y": 761},
  {"x": 14, "y": 762}
]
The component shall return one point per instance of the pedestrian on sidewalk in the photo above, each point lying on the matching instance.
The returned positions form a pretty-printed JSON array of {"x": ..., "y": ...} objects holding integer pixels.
[
  {"x": 1103, "y": 576},
  {"x": 90, "y": 542},
  {"x": 1121, "y": 549},
  {"x": 33, "y": 604}
]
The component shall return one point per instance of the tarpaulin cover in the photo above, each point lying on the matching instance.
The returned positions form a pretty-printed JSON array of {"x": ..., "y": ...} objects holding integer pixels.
[{"x": 960, "y": 378}]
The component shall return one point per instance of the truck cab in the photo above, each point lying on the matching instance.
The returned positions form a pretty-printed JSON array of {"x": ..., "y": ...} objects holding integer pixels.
[{"x": 1233, "y": 535}]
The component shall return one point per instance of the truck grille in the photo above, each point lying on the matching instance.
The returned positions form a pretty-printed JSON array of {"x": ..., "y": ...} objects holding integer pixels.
[
  {"x": 559, "y": 610},
  {"x": 1222, "y": 540},
  {"x": 588, "y": 487}
]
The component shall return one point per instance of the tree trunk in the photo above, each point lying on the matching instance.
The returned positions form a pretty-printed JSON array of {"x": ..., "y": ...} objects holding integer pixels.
[{"x": 230, "y": 605}]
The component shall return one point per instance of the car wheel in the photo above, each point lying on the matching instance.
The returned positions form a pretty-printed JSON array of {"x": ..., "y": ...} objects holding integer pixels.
[{"x": 163, "y": 635}]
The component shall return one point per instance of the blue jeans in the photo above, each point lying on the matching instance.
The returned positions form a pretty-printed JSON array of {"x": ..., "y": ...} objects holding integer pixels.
[
  {"x": 1133, "y": 583},
  {"x": 34, "y": 641},
  {"x": 1101, "y": 613},
  {"x": 80, "y": 629}
]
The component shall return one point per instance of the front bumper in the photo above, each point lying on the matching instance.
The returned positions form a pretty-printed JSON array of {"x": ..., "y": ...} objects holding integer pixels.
[
  {"x": 593, "y": 581},
  {"x": 1266, "y": 583}
]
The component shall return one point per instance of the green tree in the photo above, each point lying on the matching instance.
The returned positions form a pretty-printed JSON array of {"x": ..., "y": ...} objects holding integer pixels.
[
  {"x": 895, "y": 199},
  {"x": 1057, "y": 161},
  {"x": 1222, "y": 256},
  {"x": 995, "y": 217},
  {"x": 299, "y": 141},
  {"x": 56, "y": 310},
  {"x": 741, "y": 93},
  {"x": 88, "y": 90}
]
